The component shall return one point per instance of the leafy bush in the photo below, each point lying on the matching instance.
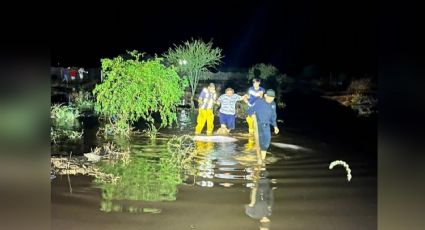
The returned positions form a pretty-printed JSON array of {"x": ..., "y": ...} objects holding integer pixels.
[
  {"x": 134, "y": 89},
  {"x": 57, "y": 134},
  {"x": 64, "y": 116},
  {"x": 83, "y": 101}
]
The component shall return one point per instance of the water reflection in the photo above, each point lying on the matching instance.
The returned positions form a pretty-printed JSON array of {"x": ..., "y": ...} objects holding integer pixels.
[
  {"x": 115, "y": 206},
  {"x": 142, "y": 179},
  {"x": 205, "y": 165},
  {"x": 150, "y": 176},
  {"x": 204, "y": 183},
  {"x": 261, "y": 198},
  {"x": 217, "y": 161},
  {"x": 249, "y": 146},
  {"x": 203, "y": 148},
  {"x": 247, "y": 157},
  {"x": 185, "y": 120}
]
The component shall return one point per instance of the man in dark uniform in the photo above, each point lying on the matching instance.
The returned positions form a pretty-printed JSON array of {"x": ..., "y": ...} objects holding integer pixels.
[{"x": 265, "y": 111}]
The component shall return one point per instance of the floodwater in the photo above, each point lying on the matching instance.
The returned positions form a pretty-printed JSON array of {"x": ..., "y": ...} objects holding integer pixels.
[{"x": 224, "y": 189}]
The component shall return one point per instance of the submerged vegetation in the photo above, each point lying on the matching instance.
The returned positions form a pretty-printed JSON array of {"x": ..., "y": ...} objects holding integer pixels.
[
  {"x": 141, "y": 179},
  {"x": 149, "y": 179},
  {"x": 64, "y": 122},
  {"x": 151, "y": 131},
  {"x": 83, "y": 101},
  {"x": 60, "y": 134},
  {"x": 64, "y": 116},
  {"x": 118, "y": 128},
  {"x": 125, "y": 176}
]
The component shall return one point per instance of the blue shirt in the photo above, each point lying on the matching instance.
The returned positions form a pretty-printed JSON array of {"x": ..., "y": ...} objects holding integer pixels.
[
  {"x": 265, "y": 112},
  {"x": 254, "y": 94},
  {"x": 228, "y": 104}
]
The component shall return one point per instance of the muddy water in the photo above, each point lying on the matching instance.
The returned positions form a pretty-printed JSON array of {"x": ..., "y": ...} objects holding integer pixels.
[{"x": 295, "y": 189}]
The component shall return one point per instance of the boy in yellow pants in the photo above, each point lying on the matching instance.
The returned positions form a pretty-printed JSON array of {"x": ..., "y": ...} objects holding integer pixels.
[
  {"x": 207, "y": 98},
  {"x": 255, "y": 92}
]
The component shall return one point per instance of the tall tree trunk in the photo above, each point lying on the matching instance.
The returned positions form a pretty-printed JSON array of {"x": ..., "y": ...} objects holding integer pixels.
[
  {"x": 192, "y": 104},
  {"x": 194, "y": 77}
]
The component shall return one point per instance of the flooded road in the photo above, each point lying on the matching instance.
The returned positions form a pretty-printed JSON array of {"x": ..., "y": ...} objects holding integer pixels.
[{"x": 224, "y": 189}]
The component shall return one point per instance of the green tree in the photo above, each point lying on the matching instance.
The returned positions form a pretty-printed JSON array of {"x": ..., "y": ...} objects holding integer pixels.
[
  {"x": 134, "y": 89},
  {"x": 193, "y": 58}
]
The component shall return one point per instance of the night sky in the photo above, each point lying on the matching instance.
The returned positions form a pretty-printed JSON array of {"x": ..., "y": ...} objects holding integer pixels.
[{"x": 337, "y": 37}]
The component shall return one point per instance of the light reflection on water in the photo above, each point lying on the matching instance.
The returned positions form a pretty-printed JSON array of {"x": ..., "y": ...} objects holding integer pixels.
[
  {"x": 229, "y": 167},
  {"x": 149, "y": 178},
  {"x": 229, "y": 164}
]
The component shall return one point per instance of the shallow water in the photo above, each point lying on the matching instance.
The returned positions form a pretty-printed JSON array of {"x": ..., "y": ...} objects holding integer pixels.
[{"x": 295, "y": 187}]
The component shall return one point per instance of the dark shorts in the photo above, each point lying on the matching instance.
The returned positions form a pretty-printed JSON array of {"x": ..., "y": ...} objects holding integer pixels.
[{"x": 228, "y": 120}]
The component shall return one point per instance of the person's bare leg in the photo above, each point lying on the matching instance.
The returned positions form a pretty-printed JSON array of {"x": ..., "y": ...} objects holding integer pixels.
[
  {"x": 259, "y": 158},
  {"x": 222, "y": 130},
  {"x": 253, "y": 194},
  {"x": 263, "y": 155}
]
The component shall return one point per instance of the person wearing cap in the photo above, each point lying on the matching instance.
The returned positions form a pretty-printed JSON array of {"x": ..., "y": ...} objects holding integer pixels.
[
  {"x": 265, "y": 111},
  {"x": 255, "y": 92},
  {"x": 228, "y": 108},
  {"x": 206, "y": 99}
]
